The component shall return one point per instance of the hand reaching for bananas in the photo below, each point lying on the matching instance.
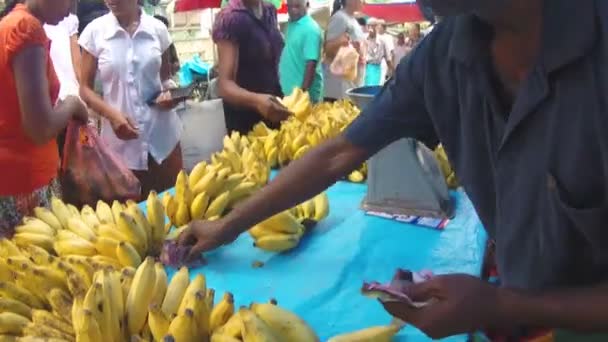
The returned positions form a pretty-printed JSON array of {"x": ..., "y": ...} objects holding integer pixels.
[
  {"x": 204, "y": 236},
  {"x": 270, "y": 108}
]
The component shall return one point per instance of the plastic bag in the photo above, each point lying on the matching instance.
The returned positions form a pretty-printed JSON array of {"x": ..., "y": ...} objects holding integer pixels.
[
  {"x": 90, "y": 171},
  {"x": 345, "y": 63}
]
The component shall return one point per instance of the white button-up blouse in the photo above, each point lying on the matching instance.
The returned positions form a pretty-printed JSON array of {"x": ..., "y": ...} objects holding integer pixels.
[{"x": 129, "y": 69}]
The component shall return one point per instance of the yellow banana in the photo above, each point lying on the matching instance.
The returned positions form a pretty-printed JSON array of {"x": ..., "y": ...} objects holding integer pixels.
[
  {"x": 60, "y": 210},
  {"x": 199, "y": 206},
  {"x": 198, "y": 284},
  {"x": 110, "y": 231},
  {"x": 356, "y": 177},
  {"x": 201, "y": 316},
  {"x": 106, "y": 262},
  {"x": 161, "y": 285},
  {"x": 89, "y": 216},
  {"x": 88, "y": 330},
  {"x": 116, "y": 297},
  {"x": 40, "y": 240},
  {"x": 158, "y": 322},
  {"x": 210, "y": 298},
  {"x": 12, "y": 323},
  {"x": 135, "y": 234},
  {"x": 77, "y": 246},
  {"x": 242, "y": 190},
  {"x": 321, "y": 202},
  {"x": 183, "y": 193},
  {"x": 106, "y": 246},
  {"x": 60, "y": 302},
  {"x": 33, "y": 329},
  {"x": 15, "y": 306},
  {"x": 183, "y": 327},
  {"x": 78, "y": 227},
  {"x": 104, "y": 212},
  {"x": 283, "y": 222},
  {"x": 141, "y": 220},
  {"x": 301, "y": 152},
  {"x": 48, "y": 217},
  {"x": 254, "y": 328},
  {"x": 140, "y": 296},
  {"x": 182, "y": 216},
  {"x": 378, "y": 333},
  {"x": 218, "y": 205},
  {"x": 43, "y": 317},
  {"x": 117, "y": 208},
  {"x": 73, "y": 210},
  {"x": 277, "y": 243},
  {"x": 222, "y": 312},
  {"x": 272, "y": 156},
  {"x": 204, "y": 182},
  {"x": 223, "y": 338},
  {"x": 156, "y": 217},
  {"x": 229, "y": 144},
  {"x": 170, "y": 207},
  {"x": 286, "y": 325},
  {"x": 127, "y": 255},
  {"x": 43, "y": 229},
  {"x": 259, "y": 231},
  {"x": 196, "y": 174},
  {"x": 175, "y": 292}
]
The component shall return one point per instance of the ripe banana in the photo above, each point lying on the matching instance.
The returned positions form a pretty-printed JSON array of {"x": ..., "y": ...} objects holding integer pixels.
[
  {"x": 321, "y": 202},
  {"x": 286, "y": 325},
  {"x": 36, "y": 228},
  {"x": 73, "y": 210},
  {"x": 183, "y": 327},
  {"x": 106, "y": 246},
  {"x": 356, "y": 177},
  {"x": 175, "y": 292},
  {"x": 117, "y": 208},
  {"x": 48, "y": 217},
  {"x": 158, "y": 322},
  {"x": 140, "y": 296},
  {"x": 161, "y": 285},
  {"x": 135, "y": 234},
  {"x": 218, "y": 205},
  {"x": 60, "y": 210},
  {"x": 223, "y": 338},
  {"x": 43, "y": 317},
  {"x": 141, "y": 220},
  {"x": 378, "y": 333},
  {"x": 12, "y": 323},
  {"x": 196, "y": 174},
  {"x": 40, "y": 240},
  {"x": 198, "y": 284},
  {"x": 89, "y": 216},
  {"x": 15, "y": 306},
  {"x": 88, "y": 330},
  {"x": 104, "y": 213},
  {"x": 283, "y": 222},
  {"x": 60, "y": 302},
  {"x": 127, "y": 254},
  {"x": 199, "y": 206},
  {"x": 222, "y": 312},
  {"x": 277, "y": 242},
  {"x": 80, "y": 228},
  {"x": 254, "y": 328},
  {"x": 74, "y": 245},
  {"x": 156, "y": 217}
]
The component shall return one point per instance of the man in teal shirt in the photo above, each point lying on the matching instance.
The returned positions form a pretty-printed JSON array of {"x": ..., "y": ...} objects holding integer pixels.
[{"x": 300, "y": 64}]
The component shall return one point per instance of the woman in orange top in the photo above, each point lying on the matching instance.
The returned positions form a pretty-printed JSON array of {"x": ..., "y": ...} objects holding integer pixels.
[{"x": 29, "y": 118}]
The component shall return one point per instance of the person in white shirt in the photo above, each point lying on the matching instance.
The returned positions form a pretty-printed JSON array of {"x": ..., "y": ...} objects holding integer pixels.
[
  {"x": 65, "y": 54},
  {"x": 130, "y": 51},
  {"x": 388, "y": 41}
]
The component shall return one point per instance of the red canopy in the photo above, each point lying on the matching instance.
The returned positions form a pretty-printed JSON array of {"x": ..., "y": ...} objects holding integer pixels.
[
  {"x": 399, "y": 12},
  {"x": 191, "y": 5}
]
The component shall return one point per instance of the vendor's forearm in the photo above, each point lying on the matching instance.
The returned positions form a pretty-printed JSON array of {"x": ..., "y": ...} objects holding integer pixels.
[
  {"x": 230, "y": 92},
  {"x": 309, "y": 75},
  {"x": 577, "y": 309},
  {"x": 95, "y": 102},
  {"x": 301, "y": 180}
]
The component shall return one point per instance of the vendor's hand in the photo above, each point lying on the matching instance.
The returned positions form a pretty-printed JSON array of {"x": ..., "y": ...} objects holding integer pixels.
[
  {"x": 273, "y": 110},
  {"x": 77, "y": 107},
  {"x": 344, "y": 39},
  {"x": 125, "y": 128},
  {"x": 205, "y": 236},
  {"x": 165, "y": 101},
  {"x": 463, "y": 304}
]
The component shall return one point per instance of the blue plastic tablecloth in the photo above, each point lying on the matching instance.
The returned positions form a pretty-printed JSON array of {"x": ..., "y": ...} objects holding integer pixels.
[{"x": 322, "y": 278}]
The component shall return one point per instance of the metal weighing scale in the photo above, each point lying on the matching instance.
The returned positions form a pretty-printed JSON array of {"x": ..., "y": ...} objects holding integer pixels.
[{"x": 404, "y": 178}]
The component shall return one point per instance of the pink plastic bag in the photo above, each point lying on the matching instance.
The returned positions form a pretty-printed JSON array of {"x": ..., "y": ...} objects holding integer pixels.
[
  {"x": 345, "y": 63},
  {"x": 90, "y": 171}
]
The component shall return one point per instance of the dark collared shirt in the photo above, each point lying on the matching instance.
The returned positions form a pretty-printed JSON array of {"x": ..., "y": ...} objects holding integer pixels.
[{"x": 536, "y": 172}]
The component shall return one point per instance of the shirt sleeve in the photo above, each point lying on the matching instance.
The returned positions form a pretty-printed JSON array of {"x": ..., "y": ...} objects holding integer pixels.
[
  {"x": 72, "y": 23},
  {"x": 227, "y": 26},
  {"x": 27, "y": 32},
  {"x": 87, "y": 40},
  {"x": 163, "y": 37},
  {"x": 337, "y": 26},
  {"x": 312, "y": 47},
  {"x": 399, "y": 111}
]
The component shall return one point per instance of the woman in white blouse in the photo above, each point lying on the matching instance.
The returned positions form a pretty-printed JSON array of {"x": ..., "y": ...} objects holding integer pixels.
[{"x": 130, "y": 51}]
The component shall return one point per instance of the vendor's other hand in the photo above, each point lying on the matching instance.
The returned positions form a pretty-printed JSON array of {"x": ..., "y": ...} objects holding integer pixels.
[
  {"x": 79, "y": 110},
  {"x": 463, "y": 304},
  {"x": 125, "y": 128},
  {"x": 165, "y": 101},
  {"x": 204, "y": 236},
  {"x": 273, "y": 110}
]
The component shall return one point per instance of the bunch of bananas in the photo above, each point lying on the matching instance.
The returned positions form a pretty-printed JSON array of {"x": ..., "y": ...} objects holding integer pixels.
[
  {"x": 76, "y": 298},
  {"x": 309, "y": 127},
  {"x": 283, "y": 232},
  {"x": 446, "y": 167},
  {"x": 213, "y": 188},
  {"x": 116, "y": 235}
]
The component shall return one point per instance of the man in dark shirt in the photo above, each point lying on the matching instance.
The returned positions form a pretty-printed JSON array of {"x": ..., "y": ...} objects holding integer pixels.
[{"x": 516, "y": 92}]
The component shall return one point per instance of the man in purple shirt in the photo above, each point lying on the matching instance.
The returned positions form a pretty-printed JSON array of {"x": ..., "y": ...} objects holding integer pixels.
[{"x": 249, "y": 47}]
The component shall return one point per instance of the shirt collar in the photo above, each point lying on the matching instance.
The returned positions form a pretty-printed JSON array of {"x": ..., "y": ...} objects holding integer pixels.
[
  {"x": 145, "y": 26},
  {"x": 564, "y": 39}
]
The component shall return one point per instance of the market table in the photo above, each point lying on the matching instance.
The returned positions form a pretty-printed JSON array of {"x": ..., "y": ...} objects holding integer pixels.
[{"x": 321, "y": 279}]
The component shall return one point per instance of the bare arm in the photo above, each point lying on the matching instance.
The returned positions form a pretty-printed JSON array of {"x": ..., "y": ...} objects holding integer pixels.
[
  {"x": 41, "y": 122},
  {"x": 87, "y": 89},
  {"x": 309, "y": 74},
  {"x": 76, "y": 58},
  {"x": 330, "y": 162},
  {"x": 228, "y": 54}
]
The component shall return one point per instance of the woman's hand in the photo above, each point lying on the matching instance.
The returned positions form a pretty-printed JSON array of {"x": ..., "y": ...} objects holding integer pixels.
[
  {"x": 124, "y": 128},
  {"x": 77, "y": 108},
  {"x": 205, "y": 236},
  {"x": 165, "y": 101},
  {"x": 270, "y": 108}
]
